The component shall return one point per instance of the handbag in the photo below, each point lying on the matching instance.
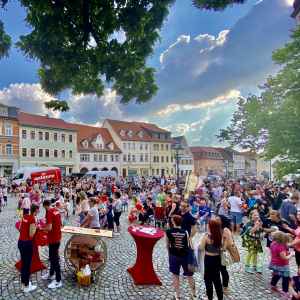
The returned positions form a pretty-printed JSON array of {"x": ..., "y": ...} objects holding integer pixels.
[
  {"x": 191, "y": 257},
  {"x": 226, "y": 259},
  {"x": 234, "y": 252}
]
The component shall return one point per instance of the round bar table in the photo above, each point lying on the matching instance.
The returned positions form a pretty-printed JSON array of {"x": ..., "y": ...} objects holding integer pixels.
[{"x": 143, "y": 272}]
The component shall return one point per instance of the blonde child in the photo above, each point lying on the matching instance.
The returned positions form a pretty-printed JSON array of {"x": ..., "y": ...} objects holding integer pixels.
[{"x": 279, "y": 264}]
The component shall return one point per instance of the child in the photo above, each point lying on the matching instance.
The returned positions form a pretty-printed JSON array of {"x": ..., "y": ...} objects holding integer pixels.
[
  {"x": 204, "y": 214},
  {"x": 252, "y": 236},
  {"x": 279, "y": 264}
]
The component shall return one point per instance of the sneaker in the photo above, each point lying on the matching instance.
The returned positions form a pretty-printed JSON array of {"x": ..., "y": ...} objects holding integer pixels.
[
  {"x": 47, "y": 276},
  {"x": 225, "y": 290},
  {"x": 29, "y": 288},
  {"x": 258, "y": 270},
  {"x": 54, "y": 284},
  {"x": 249, "y": 269},
  {"x": 274, "y": 288}
]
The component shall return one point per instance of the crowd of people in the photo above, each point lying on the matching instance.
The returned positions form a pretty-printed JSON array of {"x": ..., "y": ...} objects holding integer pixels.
[{"x": 264, "y": 215}]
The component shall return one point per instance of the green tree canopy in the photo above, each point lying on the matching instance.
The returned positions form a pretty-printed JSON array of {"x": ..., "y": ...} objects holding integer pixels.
[
  {"x": 271, "y": 121},
  {"x": 216, "y": 4}
]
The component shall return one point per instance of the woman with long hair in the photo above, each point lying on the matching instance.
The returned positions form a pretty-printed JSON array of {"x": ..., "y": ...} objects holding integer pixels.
[{"x": 212, "y": 244}]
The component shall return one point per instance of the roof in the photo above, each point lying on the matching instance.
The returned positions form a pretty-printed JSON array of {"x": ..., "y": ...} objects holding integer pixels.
[
  {"x": 43, "y": 121},
  {"x": 136, "y": 128},
  {"x": 296, "y": 8},
  {"x": 90, "y": 133},
  {"x": 205, "y": 153}
]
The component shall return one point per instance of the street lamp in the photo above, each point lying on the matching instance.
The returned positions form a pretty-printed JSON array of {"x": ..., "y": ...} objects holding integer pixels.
[{"x": 177, "y": 148}]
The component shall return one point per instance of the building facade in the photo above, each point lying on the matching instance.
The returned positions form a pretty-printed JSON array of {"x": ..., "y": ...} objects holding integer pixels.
[
  {"x": 97, "y": 151},
  {"x": 47, "y": 142},
  {"x": 146, "y": 148},
  {"x": 208, "y": 161},
  {"x": 296, "y": 12},
  {"x": 185, "y": 156},
  {"x": 9, "y": 140}
]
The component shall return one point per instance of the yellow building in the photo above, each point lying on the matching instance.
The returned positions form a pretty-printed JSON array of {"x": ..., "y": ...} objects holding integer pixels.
[{"x": 146, "y": 148}]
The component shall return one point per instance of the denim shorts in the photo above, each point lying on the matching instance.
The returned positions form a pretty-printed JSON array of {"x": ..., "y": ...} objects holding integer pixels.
[
  {"x": 237, "y": 218},
  {"x": 176, "y": 262}
]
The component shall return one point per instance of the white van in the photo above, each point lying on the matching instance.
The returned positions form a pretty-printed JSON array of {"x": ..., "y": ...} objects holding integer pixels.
[
  {"x": 23, "y": 174},
  {"x": 98, "y": 175}
]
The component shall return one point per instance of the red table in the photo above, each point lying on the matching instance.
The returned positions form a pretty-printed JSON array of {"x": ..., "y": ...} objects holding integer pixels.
[
  {"x": 143, "y": 272},
  {"x": 40, "y": 239}
]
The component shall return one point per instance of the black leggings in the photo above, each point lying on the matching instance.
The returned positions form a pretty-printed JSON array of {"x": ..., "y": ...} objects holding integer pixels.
[
  {"x": 212, "y": 278},
  {"x": 285, "y": 282},
  {"x": 117, "y": 216},
  {"x": 225, "y": 276},
  {"x": 26, "y": 249}
]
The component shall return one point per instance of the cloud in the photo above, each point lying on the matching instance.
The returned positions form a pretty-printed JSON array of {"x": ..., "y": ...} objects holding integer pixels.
[{"x": 28, "y": 97}]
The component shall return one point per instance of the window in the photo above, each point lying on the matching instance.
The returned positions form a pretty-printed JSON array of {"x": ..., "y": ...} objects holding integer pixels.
[
  {"x": 71, "y": 154},
  {"x": 40, "y": 135},
  {"x": 146, "y": 146},
  {"x": 167, "y": 159},
  {"x": 70, "y": 138},
  {"x": 141, "y": 146},
  {"x": 41, "y": 152},
  {"x": 130, "y": 133},
  {"x": 63, "y": 153},
  {"x": 112, "y": 158},
  {"x": 8, "y": 129},
  {"x": 8, "y": 149},
  {"x": 141, "y": 157},
  {"x": 124, "y": 157},
  {"x": 24, "y": 152},
  {"x": 133, "y": 157},
  {"x": 47, "y": 153},
  {"x": 63, "y": 138},
  {"x": 162, "y": 159},
  {"x": 167, "y": 147},
  {"x": 162, "y": 147},
  {"x": 124, "y": 146},
  {"x": 95, "y": 157},
  {"x": 32, "y": 152},
  {"x": 46, "y": 136},
  {"x": 129, "y": 157},
  {"x": 24, "y": 134},
  {"x": 156, "y": 147},
  {"x": 84, "y": 157},
  {"x": 146, "y": 157},
  {"x": 55, "y": 153},
  {"x": 104, "y": 157},
  {"x": 32, "y": 135},
  {"x": 133, "y": 145},
  {"x": 100, "y": 157},
  {"x": 117, "y": 157},
  {"x": 55, "y": 136}
]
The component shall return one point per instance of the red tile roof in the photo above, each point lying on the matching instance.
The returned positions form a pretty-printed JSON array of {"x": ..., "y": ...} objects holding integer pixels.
[
  {"x": 136, "y": 128},
  {"x": 89, "y": 133},
  {"x": 43, "y": 121}
]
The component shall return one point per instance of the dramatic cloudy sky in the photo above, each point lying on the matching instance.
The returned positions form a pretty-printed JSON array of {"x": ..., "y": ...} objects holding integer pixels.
[{"x": 204, "y": 62}]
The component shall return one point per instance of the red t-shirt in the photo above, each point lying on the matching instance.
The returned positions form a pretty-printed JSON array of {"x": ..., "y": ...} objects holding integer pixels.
[
  {"x": 24, "y": 230},
  {"x": 53, "y": 217}
]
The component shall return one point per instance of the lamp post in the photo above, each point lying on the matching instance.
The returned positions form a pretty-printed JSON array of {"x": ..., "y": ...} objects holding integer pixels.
[{"x": 177, "y": 148}]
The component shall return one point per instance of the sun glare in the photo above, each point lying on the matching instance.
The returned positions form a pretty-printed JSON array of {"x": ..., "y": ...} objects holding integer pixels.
[{"x": 289, "y": 2}]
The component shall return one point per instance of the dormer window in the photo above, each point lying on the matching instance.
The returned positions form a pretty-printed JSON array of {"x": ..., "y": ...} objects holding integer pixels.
[
  {"x": 141, "y": 134},
  {"x": 85, "y": 144},
  {"x": 130, "y": 133},
  {"x": 122, "y": 132},
  {"x": 111, "y": 146}
]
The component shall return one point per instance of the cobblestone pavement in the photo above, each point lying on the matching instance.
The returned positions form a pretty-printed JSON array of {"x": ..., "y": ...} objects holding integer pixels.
[{"x": 114, "y": 283}]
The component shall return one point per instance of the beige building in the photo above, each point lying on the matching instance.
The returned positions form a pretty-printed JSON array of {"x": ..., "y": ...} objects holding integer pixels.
[
  {"x": 47, "y": 142},
  {"x": 96, "y": 150},
  {"x": 208, "y": 161},
  {"x": 146, "y": 148}
]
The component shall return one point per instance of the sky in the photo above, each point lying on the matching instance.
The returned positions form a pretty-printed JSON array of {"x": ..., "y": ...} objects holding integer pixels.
[{"x": 204, "y": 62}]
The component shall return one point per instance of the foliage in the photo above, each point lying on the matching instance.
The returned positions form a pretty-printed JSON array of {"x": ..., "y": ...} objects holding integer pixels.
[
  {"x": 5, "y": 41},
  {"x": 57, "y": 105},
  {"x": 271, "y": 121},
  {"x": 216, "y": 4}
]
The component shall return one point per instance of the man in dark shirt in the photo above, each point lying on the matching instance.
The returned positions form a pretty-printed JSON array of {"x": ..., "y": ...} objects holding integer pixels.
[{"x": 188, "y": 221}]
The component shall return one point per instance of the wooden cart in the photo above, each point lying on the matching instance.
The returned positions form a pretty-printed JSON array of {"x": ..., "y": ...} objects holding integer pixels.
[{"x": 86, "y": 246}]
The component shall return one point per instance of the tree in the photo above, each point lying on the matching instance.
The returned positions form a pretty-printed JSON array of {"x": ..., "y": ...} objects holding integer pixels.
[
  {"x": 271, "y": 121},
  {"x": 216, "y": 4}
]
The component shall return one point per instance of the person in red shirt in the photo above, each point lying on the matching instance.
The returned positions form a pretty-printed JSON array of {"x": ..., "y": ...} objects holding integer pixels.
[
  {"x": 25, "y": 245},
  {"x": 53, "y": 226}
]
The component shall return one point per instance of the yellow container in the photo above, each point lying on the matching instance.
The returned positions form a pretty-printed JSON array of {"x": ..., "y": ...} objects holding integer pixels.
[{"x": 83, "y": 280}]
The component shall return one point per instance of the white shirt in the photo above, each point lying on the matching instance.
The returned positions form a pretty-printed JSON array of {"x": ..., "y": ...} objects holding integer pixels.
[{"x": 235, "y": 203}]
